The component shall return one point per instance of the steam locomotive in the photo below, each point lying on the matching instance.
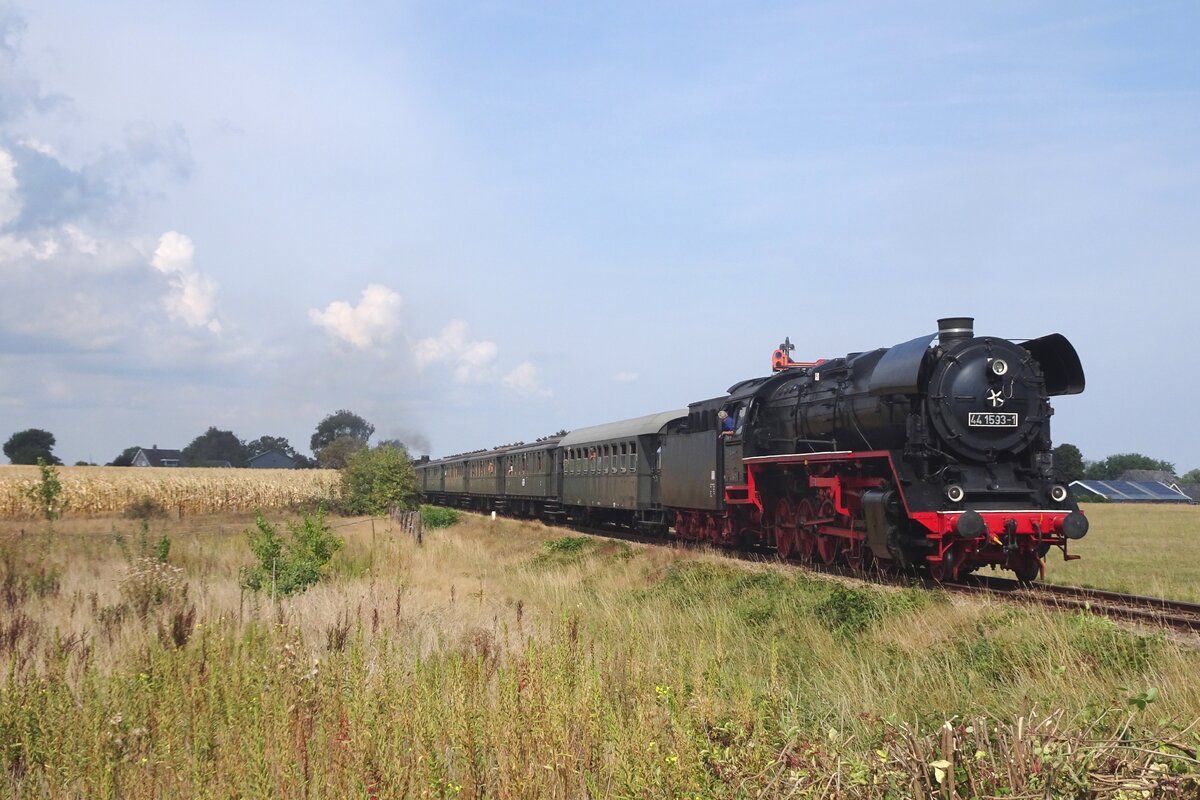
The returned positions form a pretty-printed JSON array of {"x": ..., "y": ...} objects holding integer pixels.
[{"x": 934, "y": 454}]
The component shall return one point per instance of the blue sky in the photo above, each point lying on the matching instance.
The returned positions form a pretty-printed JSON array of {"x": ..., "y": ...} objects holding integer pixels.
[{"x": 478, "y": 223}]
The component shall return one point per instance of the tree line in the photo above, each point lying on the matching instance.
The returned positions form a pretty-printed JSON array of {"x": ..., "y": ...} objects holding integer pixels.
[
  {"x": 337, "y": 437},
  {"x": 1070, "y": 465}
]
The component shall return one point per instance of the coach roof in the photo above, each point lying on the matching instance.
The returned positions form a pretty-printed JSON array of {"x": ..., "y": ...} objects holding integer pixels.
[{"x": 625, "y": 429}]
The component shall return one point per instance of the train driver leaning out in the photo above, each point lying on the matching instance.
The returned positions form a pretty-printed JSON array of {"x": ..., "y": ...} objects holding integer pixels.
[{"x": 727, "y": 423}]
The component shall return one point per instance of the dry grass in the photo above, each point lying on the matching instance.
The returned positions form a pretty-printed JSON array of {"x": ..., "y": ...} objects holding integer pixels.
[
  {"x": 1144, "y": 549},
  {"x": 507, "y": 660},
  {"x": 93, "y": 491}
]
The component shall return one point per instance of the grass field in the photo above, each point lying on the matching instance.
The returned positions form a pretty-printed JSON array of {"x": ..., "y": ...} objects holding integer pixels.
[
  {"x": 1144, "y": 549},
  {"x": 93, "y": 491},
  {"x": 513, "y": 660}
]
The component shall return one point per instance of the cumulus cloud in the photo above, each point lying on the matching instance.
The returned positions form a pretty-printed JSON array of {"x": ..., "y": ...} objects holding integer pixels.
[
  {"x": 371, "y": 322},
  {"x": 67, "y": 283},
  {"x": 472, "y": 359},
  {"x": 193, "y": 296},
  {"x": 174, "y": 253},
  {"x": 524, "y": 380}
]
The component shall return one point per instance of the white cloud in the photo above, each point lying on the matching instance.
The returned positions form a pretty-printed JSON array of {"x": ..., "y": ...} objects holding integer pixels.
[
  {"x": 10, "y": 200},
  {"x": 174, "y": 253},
  {"x": 523, "y": 379},
  {"x": 371, "y": 322},
  {"x": 13, "y": 248},
  {"x": 471, "y": 359},
  {"x": 193, "y": 295},
  {"x": 625, "y": 377}
]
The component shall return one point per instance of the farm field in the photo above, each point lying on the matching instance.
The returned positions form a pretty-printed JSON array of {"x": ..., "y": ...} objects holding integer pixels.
[
  {"x": 512, "y": 660},
  {"x": 1143, "y": 549},
  {"x": 92, "y": 491}
]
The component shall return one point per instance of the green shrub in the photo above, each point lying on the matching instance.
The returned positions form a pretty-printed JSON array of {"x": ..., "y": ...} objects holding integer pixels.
[
  {"x": 433, "y": 517},
  {"x": 375, "y": 481},
  {"x": 289, "y": 566},
  {"x": 566, "y": 550},
  {"x": 47, "y": 493},
  {"x": 847, "y": 610}
]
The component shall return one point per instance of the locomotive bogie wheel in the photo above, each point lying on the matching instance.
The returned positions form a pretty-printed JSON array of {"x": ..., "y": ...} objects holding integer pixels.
[
  {"x": 1028, "y": 568},
  {"x": 945, "y": 569}
]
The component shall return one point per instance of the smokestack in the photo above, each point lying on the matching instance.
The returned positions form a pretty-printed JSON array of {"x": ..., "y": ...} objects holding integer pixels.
[{"x": 954, "y": 329}]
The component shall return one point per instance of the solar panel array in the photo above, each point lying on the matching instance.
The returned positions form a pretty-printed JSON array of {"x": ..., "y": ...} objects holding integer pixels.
[{"x": 1135, "y": 491}]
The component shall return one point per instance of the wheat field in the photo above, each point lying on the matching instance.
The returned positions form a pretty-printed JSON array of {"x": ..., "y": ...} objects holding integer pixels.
[{"x": 92, "y": 491}]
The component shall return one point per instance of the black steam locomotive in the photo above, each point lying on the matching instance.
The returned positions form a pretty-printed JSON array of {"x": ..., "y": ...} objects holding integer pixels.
[{"x": 934, "y": 454}]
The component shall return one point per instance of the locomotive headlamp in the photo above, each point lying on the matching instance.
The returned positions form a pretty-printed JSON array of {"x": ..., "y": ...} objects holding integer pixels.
[
  {"x": 955, "y": 493},
  {"x": 1058, "y": 493},
  {"x": 999, "y": 367}
]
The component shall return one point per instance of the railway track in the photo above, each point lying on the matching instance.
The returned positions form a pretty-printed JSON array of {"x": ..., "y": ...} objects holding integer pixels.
[
  {"x": 1117, "y": 605},
  {"x": 1153, "y": 611}
]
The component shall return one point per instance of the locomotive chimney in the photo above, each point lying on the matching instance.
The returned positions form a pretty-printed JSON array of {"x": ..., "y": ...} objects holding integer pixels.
[{"x": 953, "y": 329}]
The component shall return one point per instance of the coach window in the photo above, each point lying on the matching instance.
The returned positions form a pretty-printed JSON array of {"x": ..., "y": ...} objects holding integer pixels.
[{"x": 633, "y": 456}]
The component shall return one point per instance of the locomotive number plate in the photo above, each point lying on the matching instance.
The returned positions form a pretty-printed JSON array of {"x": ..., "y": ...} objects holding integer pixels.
[{"x": 989, "y": 419}]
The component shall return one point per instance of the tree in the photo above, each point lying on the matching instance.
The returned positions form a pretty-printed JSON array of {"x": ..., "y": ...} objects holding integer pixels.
[
  {"x": 375, "y": 480},
  {"x": 339, "y": 424},
  {"x": 336, "y": 454},
  {"x": 265, "y": 444},
  {"x": 289, "y": 566},
  {"x": 215, "y": 445},
  {"x": 27, "y": 446},
  {"x": 1191, "y": 477},
  {"x": 1068, "y": 463},
  {"x": 126, "y": 457},
  {"x": 1113, "y": 467}
]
